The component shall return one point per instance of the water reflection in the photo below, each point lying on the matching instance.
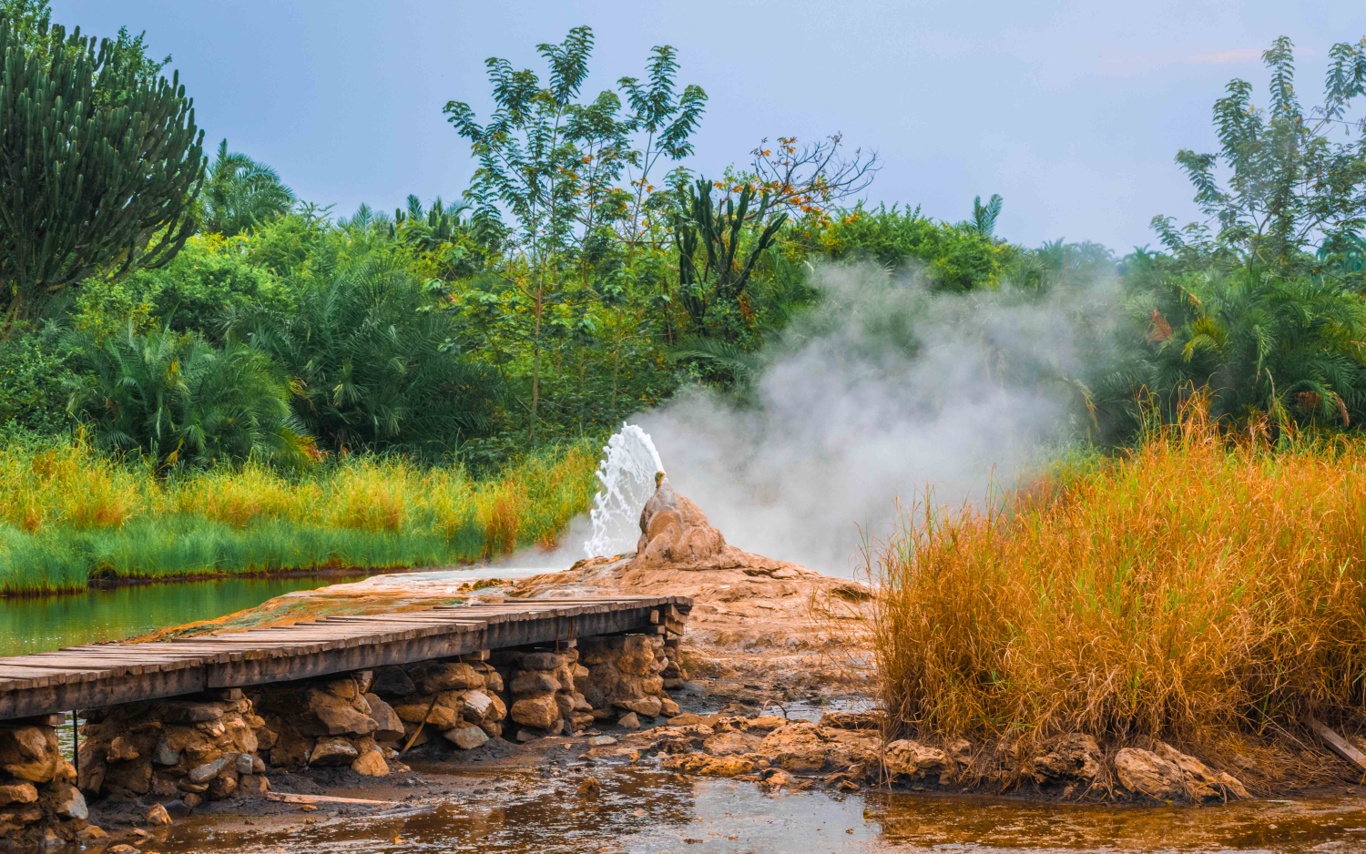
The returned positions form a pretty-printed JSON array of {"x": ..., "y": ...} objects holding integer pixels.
[{"x": 51, "y": 622}]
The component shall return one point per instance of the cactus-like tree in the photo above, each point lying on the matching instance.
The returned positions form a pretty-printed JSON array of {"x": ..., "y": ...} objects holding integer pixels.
[{"x": 99, "y": 163}]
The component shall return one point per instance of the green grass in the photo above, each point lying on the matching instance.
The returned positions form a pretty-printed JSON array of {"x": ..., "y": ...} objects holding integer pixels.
[{"x": 69, "y": 515}]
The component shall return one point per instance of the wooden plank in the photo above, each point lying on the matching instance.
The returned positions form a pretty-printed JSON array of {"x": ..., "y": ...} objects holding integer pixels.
[{"x": 1339, "y": 745}]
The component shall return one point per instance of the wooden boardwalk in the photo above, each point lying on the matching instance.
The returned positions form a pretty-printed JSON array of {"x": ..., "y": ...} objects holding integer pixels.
[{"x": 106, "y": 674}]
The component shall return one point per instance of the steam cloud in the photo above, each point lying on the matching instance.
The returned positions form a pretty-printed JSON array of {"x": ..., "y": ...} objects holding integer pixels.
[{"x": 887, "y": 390}]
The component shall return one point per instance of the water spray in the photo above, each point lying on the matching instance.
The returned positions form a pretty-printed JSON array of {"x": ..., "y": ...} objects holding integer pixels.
[{"x": 628, "y": 475}]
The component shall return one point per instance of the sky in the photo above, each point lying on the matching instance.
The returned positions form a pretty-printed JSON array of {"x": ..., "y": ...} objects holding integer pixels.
[{"x": 1073, "y": 112}]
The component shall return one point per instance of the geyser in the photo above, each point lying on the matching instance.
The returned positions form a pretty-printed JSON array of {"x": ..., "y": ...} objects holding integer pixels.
[{"x": 628, "y": 477}]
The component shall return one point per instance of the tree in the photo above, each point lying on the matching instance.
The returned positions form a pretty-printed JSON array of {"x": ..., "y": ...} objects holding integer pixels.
[
  {"x": 1290, "y": 187},
  {"x": 718, "y": 247},
  {"x": 99, "y": 162},
  {"x": 241, "y": 193},
  {"x": 555, "y": 164},
  {"x": 984, "y": 216},
  {"x": 810, "y": 178}
]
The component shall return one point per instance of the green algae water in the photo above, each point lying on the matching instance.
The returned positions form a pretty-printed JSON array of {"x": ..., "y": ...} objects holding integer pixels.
[{"x": 39, "y": 624}]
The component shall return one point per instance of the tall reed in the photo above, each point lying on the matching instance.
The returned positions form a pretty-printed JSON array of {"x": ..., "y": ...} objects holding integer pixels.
[{"x": 1193, "y": 589}]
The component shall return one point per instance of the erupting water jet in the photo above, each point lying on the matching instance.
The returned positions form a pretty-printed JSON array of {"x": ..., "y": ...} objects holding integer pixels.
[{"x": 629, "y": 473}]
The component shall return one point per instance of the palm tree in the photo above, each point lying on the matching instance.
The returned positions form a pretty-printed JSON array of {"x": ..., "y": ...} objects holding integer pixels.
[
  {"x": 180, "y": 400},
  {"x": 376, "y": 363},
  {"x": 241, "y": 193}
]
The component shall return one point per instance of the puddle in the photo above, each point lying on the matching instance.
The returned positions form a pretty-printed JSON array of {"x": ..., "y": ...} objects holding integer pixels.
[{"x": 652, "y": 812}]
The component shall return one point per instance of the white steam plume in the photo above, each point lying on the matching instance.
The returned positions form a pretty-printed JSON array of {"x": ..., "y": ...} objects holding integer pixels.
[{"x": 885, "y": 390}]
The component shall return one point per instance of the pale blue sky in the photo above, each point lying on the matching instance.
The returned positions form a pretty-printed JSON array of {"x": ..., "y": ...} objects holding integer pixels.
[{"x": 1072, "y": 111}]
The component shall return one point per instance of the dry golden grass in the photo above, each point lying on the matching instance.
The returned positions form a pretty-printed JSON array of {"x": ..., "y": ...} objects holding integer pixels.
[{"x": 1194, "y": 590}]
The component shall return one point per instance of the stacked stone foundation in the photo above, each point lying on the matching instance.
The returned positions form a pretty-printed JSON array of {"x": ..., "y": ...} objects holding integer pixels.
[
  {"x": 194, "y": 749},
  {"x": 221, "y": 745},
  {"x": 39, "y": 803}
]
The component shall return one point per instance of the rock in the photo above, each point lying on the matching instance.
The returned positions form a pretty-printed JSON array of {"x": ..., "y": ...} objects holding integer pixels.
[
  {"x": 711, "y": 766},
  {"x": 68, "y": 802},
  {"x": 338, "y": 716},
  {"x": 532, "y": 682},
  {"x": 158, "y": 816},
  {"x": 245, "y": 764},
  {"x": 467, "y": 737},
  {"x": 1074, "y": 757},
  {"x": 121, "y": 848},
  {"x": 650, "y": 707},
  {"x": 908, "y": 758},
  {"x": 222, "y": 787},
  {"x": 540, "y": 661},
  {"x": 667, "y": 707},
  {"x": 17, "y": 793},
  {"x": 371, "y": 764},
  {"x": 342, "y": 689},
  {"x": 30, "y": 753},
  {"x": 333, "y": 751},
  {"x": 477, "y": 705},
  {"x": 364, "y": 680},
  {"x": 806, "y": 746},
  {"x": 852, "y": 720},
  {"x": 129, "y": 777},
  {"x": 438, "y": 676},
  {"x": 209, "y": 770},
  {"x": 440, "y": 716},
  {"x": 602, "y": 741},
  {"x": 194, "y": 713},
  {"x": 1145, "y": 773},
  {"x": 121, "y": 749},
  {"x": 731, "y": 743},
  {"x": 164, "y": 754},
  {"x": 1202, "y": 782},
  {"x": 388, "y": 725},
  {"x": 590, "y": 787},
  {"x": 539, "y": 712},
  {"x": 629, "y": 721},
  {"x": 392, "y": 682},
  {"x": 92, "y": 833},
  {"x": 191, "y": 800},
  {"x": 778, "y": 779},
  {"x": 525, "y": 735},
  {"x": 579, "y": 721},
  {"x": 687, "y": 719}
]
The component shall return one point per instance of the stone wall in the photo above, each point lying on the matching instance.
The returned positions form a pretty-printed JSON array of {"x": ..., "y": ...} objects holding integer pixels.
[
  {"x": 460, "y": 701},
  {"x": 625, "y": 675},
  {"x": 38, "y": 802},
  {"x": 337, "y": 721},
  {"x": 195, "y": 749}
]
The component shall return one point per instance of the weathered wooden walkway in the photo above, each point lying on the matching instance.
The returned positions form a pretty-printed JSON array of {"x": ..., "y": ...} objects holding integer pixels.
[{"x": 98, "y": 675}]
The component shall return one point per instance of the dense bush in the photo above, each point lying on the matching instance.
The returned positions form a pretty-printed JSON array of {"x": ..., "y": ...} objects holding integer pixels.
[
  {"x": 376, "y": 364},
  {"x": 179, "y": 399}
]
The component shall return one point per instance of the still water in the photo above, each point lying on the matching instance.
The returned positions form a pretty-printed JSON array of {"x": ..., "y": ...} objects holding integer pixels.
[
  {"x": 648, "y": 811},
  {"x": 51, "y": 622}
]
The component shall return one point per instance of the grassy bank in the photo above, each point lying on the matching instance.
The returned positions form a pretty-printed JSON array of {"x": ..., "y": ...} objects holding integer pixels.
[
  {"x": 69, "y": 514},
  {"x": 1191, "y": 591}
]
